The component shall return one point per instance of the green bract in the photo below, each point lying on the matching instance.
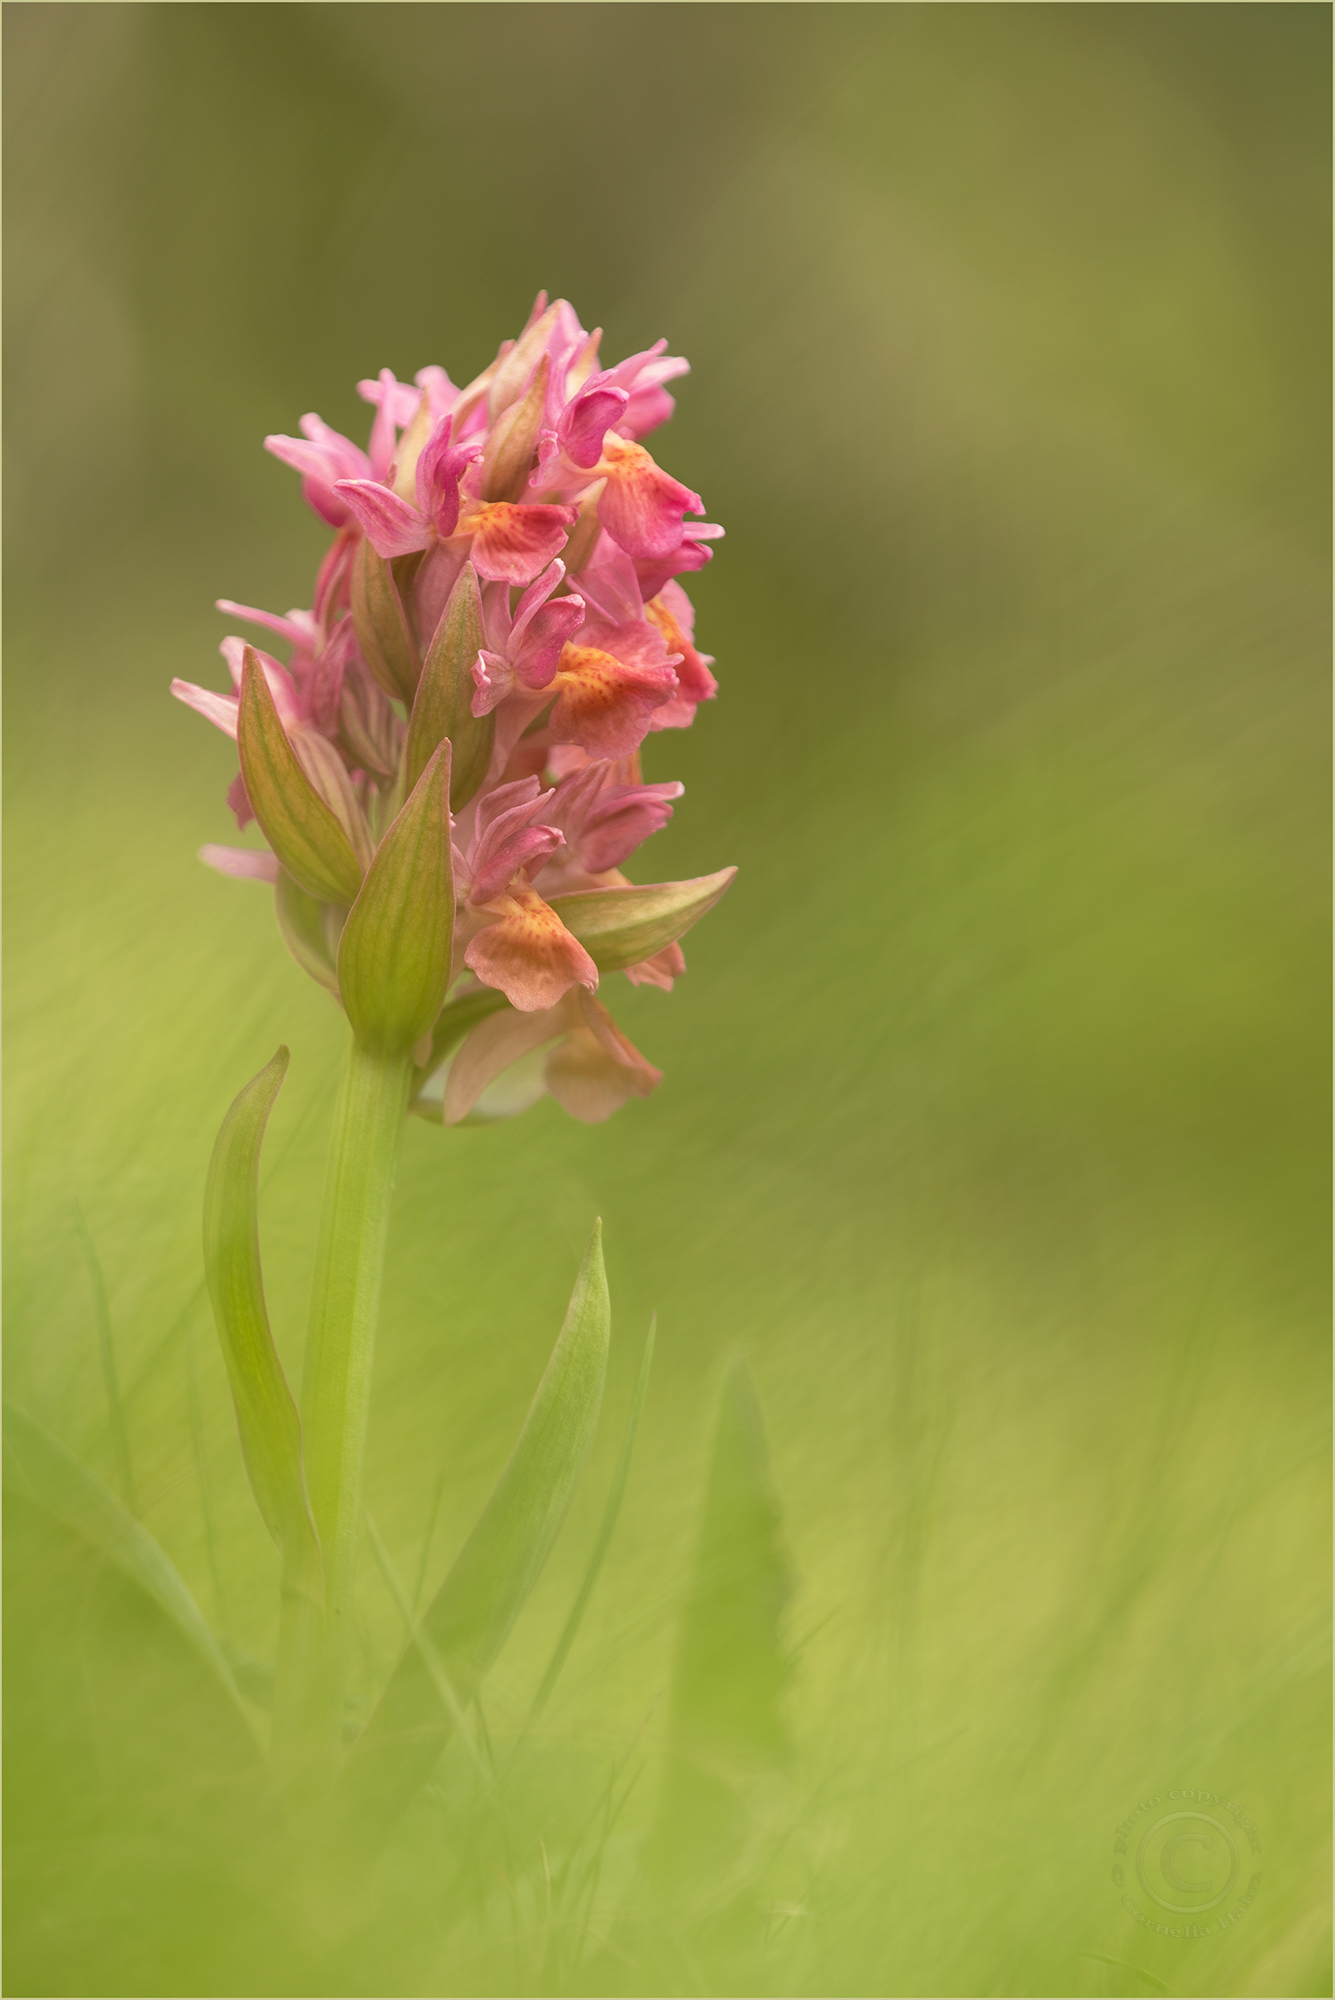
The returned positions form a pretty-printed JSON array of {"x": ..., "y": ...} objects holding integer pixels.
[
  {"x": 394, "y": 954},
  {"x": 383, "y": 632},
  {"x": 620, "y": 927},
  {"x": 301, "y": 829}
]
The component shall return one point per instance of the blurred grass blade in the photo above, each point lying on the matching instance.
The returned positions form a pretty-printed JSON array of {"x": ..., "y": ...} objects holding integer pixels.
[
  {"x": 302, "y": 830},
  {"x": 443, "y": 704},
  {"x": 394, "y": 954},
  {"x": 43, "y": 1471},
  {"x": 266, "y": 1415},
  {"x": 431, "y": 1659},
  {"x": 607, "y": 1528},
  {"x": 120, "y": 1435},
  {"x": 473, "y": 1611},
  {"x": 730, "y": 1670},
  {"x": 726, "y": 1733},
  {"x": 619, "y": 927}
]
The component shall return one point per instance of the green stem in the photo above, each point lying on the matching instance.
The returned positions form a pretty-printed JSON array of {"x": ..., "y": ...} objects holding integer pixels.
[{"x": 336, "y": 1393}]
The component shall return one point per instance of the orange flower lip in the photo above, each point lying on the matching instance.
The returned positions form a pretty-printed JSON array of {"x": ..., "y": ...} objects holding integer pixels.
[
  {"x": 605, "y": 703},
  {"x": 529, "y": 954}
]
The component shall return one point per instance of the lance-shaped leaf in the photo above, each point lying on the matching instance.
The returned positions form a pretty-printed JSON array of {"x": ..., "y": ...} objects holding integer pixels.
[
  {"x": 383, "y": 632},
  {"x": 41, "y": 1469},
  {"x": 602, "y": 1542},
  {"x": 444, "y": 702},
  {"x": 619, "y": 927},
  {"x": 301, "y": 919},
  {"x": 394, "y": 954},
  {"x": 302, "y": 831},
  {"x": 472, "y": 1613},
  {"x": 266, "y": 1415}
]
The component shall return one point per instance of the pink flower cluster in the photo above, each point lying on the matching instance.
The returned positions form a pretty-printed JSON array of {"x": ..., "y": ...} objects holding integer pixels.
[{"x": 529, "y": 496}]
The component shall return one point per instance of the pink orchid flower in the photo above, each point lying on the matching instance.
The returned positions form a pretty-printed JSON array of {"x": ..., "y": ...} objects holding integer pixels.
[
  {"x": 527, "y": 952},
  {"x": 510, "y": 542},
  {"x": 324, "y": 457},
  {"x": 523, "y": 649},
  {"x": 591, "y": 1070},
  {"x": 610, "y": 681},
  {"x": 603, "y": 822},
  {"x": 535, "y": 472}
]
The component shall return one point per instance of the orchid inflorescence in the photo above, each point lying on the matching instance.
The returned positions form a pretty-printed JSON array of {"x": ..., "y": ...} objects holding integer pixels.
[{"x": 497, "y": 626}]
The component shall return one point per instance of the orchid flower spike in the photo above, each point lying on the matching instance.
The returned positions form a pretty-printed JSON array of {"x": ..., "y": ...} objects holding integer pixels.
[{"x": 498, "y": 629}]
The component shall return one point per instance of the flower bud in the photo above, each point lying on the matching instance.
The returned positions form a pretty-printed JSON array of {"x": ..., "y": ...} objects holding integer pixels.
[
  {"x": 298, "y": 825},
  {"x": 442, "y": 706},
  {"x": 383, "y": 631},
  {"x": 513, "y": 442}
]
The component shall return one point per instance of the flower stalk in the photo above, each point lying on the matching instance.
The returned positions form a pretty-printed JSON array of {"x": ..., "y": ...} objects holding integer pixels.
[
  {"x": 336, "y": 1381},
  {"x": 448, "y": 774}
]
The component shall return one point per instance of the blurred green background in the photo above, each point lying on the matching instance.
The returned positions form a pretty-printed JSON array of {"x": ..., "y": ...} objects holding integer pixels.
[{"x": 994, "y": 1118}]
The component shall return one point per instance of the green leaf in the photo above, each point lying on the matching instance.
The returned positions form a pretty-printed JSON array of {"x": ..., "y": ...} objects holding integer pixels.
[
  {"x": 443, "y": 705},
  {"x": 41, "y": 1469},
  {"x": 606, "y": 1529},
  {"x": 473, "y": 1611},
  {"x": 300, "y": 828},
  {"x": 394, "y": 954},
  {"x": 266, "y": 1415},
  {"x": 383, "y": 632},
  {"x": 301, "y": 919},
  {"x": 619, "y": 927}
]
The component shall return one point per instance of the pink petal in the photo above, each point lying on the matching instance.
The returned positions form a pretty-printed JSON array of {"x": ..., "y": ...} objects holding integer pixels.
[
  {"x": 692, "y": 554},
  {"x": 609, "y": 582},
  {"x": 441, "y": 394},
  {"x": 238, "y": 798},
  {"x": 543, "y": 624},
  {"x": 620, "y": 820},
  {"x": 392, "y": 527},
  {"x": 439, "y": 466},
  {"x": 491, "y": 1048},
  {"x": 401, "y": 397},
  {"x": 511, "y": 543},
  {"x": 526, "y": 847},
  {"x": 646, "y": 410},
  {"x": 586, "y": 421},
  {"x": 493, "y": 679},
  {"x": 322, "y": 456},
  {"x": 298, "y": 628},
  {"x": 660, "y": 970},
  {"x": 668, "y": 611},
  {"x": 595, "y": 1069},
  {"x": 220, "y": 709},
  {"x": 253, "y": 864},
  {"x": 642, "y": 506},
  {"x": 501, "y": 803}
]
